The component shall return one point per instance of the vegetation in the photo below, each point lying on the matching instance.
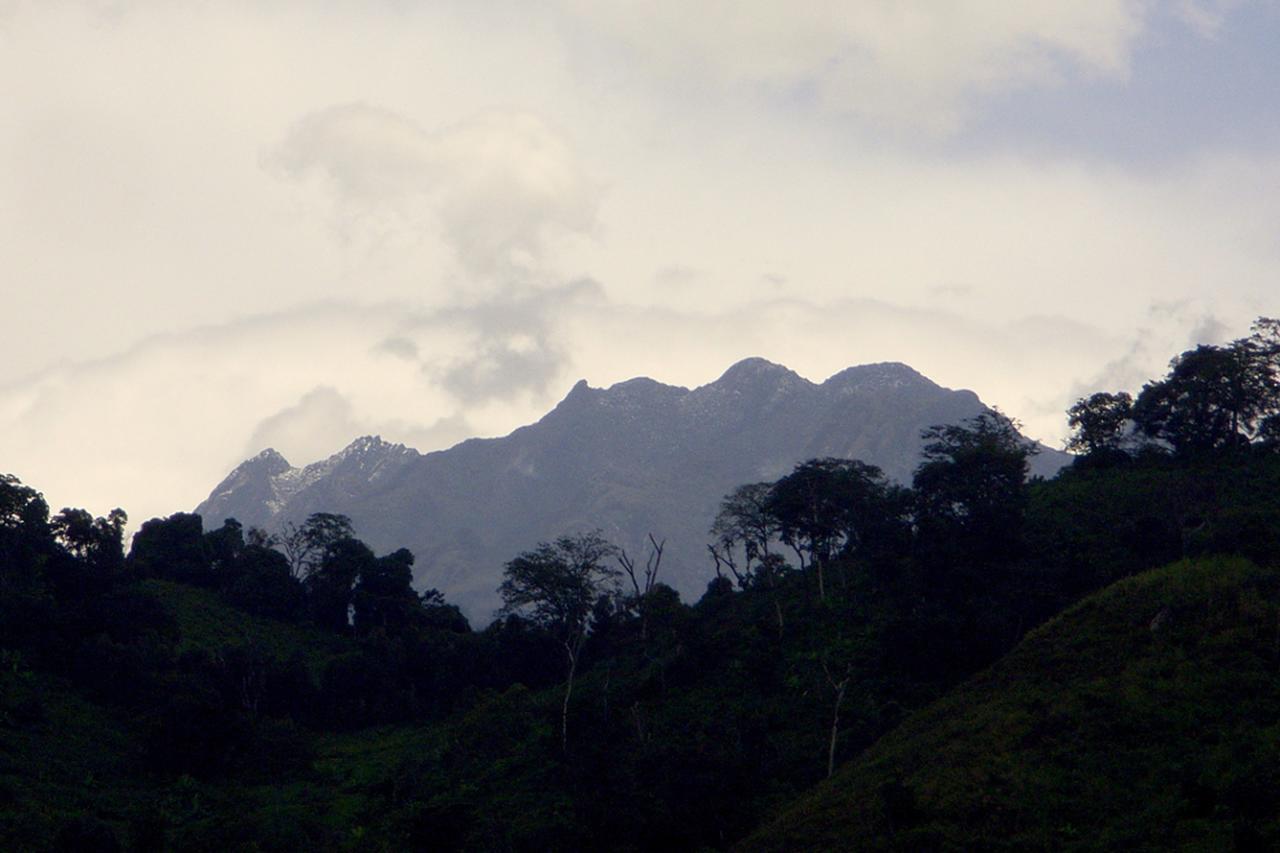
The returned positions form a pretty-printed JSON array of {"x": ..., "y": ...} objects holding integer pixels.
[
  {"x": 1143, "y": 718},
  {"x": 220, "y": 689}
]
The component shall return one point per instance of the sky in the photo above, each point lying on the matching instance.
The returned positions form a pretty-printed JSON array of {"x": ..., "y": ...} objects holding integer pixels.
[{"x": 227, "y": 226}]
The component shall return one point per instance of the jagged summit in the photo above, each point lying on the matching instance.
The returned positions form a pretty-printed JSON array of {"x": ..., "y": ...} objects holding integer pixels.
[
  {"x": 634, "y": 458},
  {"x": 270, "y": 459},
  {"x": 368, "y": 445}
]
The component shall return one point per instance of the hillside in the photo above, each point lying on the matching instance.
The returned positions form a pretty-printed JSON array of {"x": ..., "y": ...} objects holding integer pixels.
[
  {"x": 634, "y": 458},
  {"x": 1145, "y": 717}
]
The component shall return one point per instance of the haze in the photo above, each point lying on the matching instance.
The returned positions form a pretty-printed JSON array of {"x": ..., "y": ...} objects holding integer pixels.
[{"x": 238, "y": 225}]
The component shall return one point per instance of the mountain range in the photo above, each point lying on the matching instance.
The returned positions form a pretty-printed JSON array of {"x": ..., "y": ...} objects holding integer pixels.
[{"x": 635, "y": 458}]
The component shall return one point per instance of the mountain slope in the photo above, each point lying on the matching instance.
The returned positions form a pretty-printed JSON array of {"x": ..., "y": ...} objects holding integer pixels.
[
  {"x": 634, "y": 458},
  {"x": 1146, "y": 717}
]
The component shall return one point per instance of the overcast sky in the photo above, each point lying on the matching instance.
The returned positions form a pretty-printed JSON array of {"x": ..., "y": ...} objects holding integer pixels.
[{"x": 231, "y": 225}]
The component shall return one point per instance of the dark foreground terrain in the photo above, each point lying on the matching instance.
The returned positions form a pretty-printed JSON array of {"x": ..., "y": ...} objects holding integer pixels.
[{"x": 976, "y": 661}]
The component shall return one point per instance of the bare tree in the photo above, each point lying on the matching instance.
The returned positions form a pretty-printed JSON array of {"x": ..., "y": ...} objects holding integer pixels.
[
  {"x": 642, "y": 580},
  {"x": 838, "y": 681}
]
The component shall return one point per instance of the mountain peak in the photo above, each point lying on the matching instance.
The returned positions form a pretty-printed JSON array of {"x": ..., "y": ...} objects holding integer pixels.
[
  {"x": 642, "y": 392},
  {"x": 366, "y": 444},
  {"x": 750, "y": 371},
  {"x": 577, "y": 399},
  {"x": 630, "y": 458},
  {"x": 270, "y": 459},
  {"x": 878, "y": 376}
]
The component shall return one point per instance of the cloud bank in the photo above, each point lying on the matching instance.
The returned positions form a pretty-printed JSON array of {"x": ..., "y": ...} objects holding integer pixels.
[{"x": 231, "y": 225}]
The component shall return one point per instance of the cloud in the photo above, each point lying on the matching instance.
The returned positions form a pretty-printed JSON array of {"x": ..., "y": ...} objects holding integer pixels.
[
  {"x": 910, "y": 65},
  {"x": 312, "y": 428},
  {"x": 1168, "y": 329},
  {"x": 499, "y": 186},
  {"x": 154, "y": 428},
  {"x": 511, "y": 345},
  {"x": 399, "y": 347},
  {"x": 1205, "y": 17},
  {"x": 443, "y": 433},
  {"x": 369, "y": 217}
]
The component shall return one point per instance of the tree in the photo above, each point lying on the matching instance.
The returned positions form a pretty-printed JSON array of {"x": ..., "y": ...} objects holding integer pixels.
[
  {"x": 439, "y": 614},
  {"x": 225, "y": 545},
  {"x": 1215, "y": 397},
  {"x": 97, "y": 541},
  {"x": 555, "y": 586},
  {"x": 384, "y": 596},
  {"x": 744, "y": 521},
  {"x": 1098, "y": 422},
  {"x": 174, "y": 548},
  {"x": 331, "y": 583},
  {"x": 642, "y": 580},
  {"x": 264, "y": 585},
  {"x": 971, "y": 490},
  {"x": 826, "y": 507},
  {"x": 22, "y": 507},
  {"x": 305, "y": 544}
]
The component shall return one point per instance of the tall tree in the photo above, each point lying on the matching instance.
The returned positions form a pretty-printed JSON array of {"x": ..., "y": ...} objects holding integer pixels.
[
  {"x": 330, "y": 585},
  {"x": 1098, "y": 422},
  {"x": 1216, "y": 397},
  {"x": 826, "y": 507},
  {"x": 971, "y": 490},
  {"x": 744, "y": 522},
  {"x": 97, "y": 541},
  {"x": 555, "y": 586},
  {"x": 305, "y": 544},
  {"x": 383, "y": 597}
]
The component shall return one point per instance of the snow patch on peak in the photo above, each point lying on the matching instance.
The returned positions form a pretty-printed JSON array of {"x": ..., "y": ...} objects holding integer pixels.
[
  {"x": 270, "y": 459},
  {"x": 367, "y": 445}
]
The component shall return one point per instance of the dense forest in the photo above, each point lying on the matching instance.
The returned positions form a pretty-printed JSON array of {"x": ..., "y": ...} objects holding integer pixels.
[{"x": 225, "y": 689}]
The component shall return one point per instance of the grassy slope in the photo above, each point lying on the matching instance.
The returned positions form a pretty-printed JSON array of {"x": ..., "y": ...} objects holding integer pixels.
[
  {"x": 206, "y": 622},
  {"x": 59, "y": 756},
  {"x": 65, "y": 758},
  {"x": 1146, "y": 717}
]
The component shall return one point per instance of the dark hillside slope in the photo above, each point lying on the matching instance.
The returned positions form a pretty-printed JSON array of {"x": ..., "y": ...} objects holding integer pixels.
[{"x": 1146, "y": 717}]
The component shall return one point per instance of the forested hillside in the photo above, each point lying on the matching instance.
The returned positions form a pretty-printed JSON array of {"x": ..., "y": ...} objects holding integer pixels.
[
  {"x": 225, "y": 689},
  {"x": 1143, "y": 718}
]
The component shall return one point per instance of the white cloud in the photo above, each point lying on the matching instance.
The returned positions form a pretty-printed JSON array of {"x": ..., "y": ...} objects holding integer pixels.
[
  {"x": 406, "y": 250},
  {"x": 916, "y": 65},
  {"x": 155, "y": 428},
  {"x": 322, "y": 420},
  {"x": 1205, "y": 17},
  {"x": 499, "y": 185}
]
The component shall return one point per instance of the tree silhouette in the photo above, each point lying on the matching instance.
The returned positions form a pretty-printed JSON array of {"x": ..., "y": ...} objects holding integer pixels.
[
  {"x": 555, "y": 586},
  {"x": 1098, "y": 422},
  {"x": 829, "y": 506},
  {"x": 305, "y": 544},
  {"x": 971, "y": 491}
]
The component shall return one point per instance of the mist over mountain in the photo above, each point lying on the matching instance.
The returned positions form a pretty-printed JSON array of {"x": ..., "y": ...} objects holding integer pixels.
[{"x": 636, "y": 458}]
